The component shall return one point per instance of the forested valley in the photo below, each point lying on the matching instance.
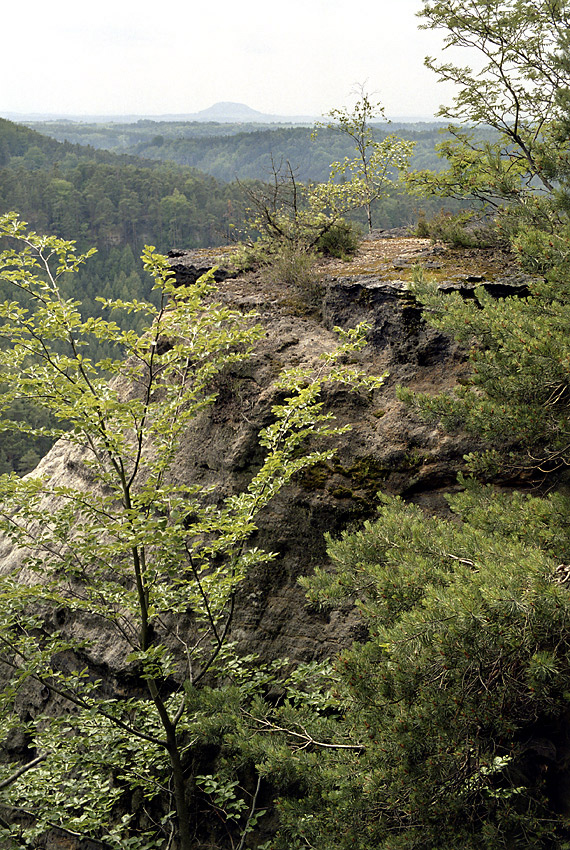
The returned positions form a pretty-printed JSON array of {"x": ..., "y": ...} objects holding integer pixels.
[
  {"x": 227, "y": 151},
  {"x": 172, "y": 185}
]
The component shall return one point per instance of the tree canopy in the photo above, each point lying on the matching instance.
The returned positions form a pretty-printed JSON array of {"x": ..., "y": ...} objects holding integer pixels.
[{"x": 515, "y": 88}]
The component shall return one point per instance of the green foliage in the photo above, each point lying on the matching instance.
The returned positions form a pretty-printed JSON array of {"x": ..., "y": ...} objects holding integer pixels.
[
  {"x": 446, "y": 726},
  {"x": 516, "y": 90},
  {"x": 340, "y": 241},
  {"x": 519, "y": 72},
  {"x": 124, "y": 547},
  {"x": 374, "y": 164},
  {"x": 517, "y": 397},
  {"x": 117, "y": 203},
  {"x": 102, "y": 198},
  {"x": 462, "y": 230},
  {"x": 287, "y": 212},
  {"x": 459, "y": 697}
]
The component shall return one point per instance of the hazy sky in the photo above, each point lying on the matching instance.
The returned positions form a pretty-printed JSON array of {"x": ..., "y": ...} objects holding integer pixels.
[{"x": 296, "y": 57}]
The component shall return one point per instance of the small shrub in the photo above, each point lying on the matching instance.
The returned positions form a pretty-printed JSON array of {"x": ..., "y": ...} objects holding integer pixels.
[
  {"x": 285, "y": 263},
  {"x": 250, "y": 255},
  {"x": 462, "y": 230},
  {"x": 292, "y": 265},
  {"x": 423, "y": 228},
  {"x": 340, "y": 241},
  {"x": 293, "y": 268}
]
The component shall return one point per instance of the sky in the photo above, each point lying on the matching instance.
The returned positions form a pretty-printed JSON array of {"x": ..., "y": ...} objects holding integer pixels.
[{"x": 300, "y": 57}]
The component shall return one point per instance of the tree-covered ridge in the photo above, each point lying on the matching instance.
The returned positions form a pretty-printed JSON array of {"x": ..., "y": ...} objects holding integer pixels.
[
  {"x": 108, "y": 199},
  {"x": 228, "y": 151},
  {"x": 17, "y": 139},
  {"x": 116, "y": 203},
  {"x": 118, "y": 136}
]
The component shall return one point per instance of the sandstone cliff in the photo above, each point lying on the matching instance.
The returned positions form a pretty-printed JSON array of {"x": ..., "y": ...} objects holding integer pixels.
[{"x": 387, "y": 449}]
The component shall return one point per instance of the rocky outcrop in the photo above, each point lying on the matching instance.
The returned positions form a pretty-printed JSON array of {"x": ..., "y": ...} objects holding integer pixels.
[
  {"x": 387, "y": 449},
  {"x": 186, "y": 272}
]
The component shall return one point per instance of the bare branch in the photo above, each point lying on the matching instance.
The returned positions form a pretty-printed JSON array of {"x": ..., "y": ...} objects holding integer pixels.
[{"x": 24, "y": 769}]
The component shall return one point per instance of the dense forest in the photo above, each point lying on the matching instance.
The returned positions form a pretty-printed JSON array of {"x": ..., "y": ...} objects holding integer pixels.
[
  {"x": 115, "y": 203},
  {"x": 111, "y": 200},
  {"x": 230, "y": 151}
]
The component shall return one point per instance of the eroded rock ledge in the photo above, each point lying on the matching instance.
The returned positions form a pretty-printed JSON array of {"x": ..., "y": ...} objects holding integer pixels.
[{"x": 387, "y": 449}]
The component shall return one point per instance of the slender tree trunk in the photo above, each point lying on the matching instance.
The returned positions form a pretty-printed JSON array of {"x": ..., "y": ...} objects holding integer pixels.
[
  {"x": 181, "y": 803},
  {"x": 182, "y": 810}
]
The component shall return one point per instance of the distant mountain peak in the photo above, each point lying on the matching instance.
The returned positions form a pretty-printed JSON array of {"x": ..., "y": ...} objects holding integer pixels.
[
  {"x": 229, "y": 112},
  {"x": 228, "y": 109}
]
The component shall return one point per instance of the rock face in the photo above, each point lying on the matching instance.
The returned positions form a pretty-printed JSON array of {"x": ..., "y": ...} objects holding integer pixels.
[{"x": 387, "y": 448}]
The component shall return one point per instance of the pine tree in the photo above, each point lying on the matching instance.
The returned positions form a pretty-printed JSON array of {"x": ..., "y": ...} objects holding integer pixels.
[{"x": 459, "y": 698}]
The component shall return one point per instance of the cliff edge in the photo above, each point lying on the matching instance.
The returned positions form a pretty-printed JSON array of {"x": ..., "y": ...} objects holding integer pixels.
[{"x": 387, "y": 449}]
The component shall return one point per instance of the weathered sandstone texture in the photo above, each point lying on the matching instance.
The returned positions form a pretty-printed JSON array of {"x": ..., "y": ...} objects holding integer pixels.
[{"x": 387, "y": 449}]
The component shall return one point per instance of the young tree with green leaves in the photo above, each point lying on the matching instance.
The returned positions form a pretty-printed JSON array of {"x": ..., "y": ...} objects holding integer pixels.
[
  {"x": 370, "y": 172},
  {"x": 287, "y": 213},
  {"x": 123, "y": 547},
  {"x": 307, "y": 217}
]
